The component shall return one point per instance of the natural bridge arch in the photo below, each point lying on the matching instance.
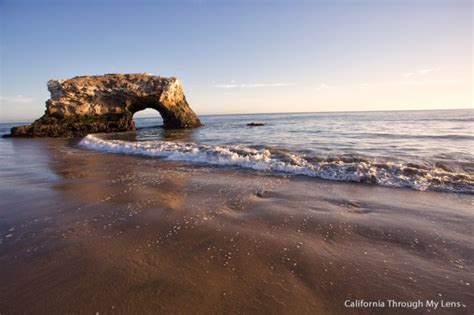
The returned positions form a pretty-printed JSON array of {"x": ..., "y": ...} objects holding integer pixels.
[{"x": 91, "y": 104}]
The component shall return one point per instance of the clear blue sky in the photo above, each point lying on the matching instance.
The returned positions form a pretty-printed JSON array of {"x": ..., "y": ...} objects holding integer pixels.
[{"x": 246, "y": 56}]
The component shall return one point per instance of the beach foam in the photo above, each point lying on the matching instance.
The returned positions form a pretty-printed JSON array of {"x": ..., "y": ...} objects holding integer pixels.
[{"x": 385, "y": 173}]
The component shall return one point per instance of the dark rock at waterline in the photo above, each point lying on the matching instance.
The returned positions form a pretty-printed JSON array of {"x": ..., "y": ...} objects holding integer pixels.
[
  {"x": 255, "y": 124},
  {"x": 75, "y": 126},
  {"x": 96, "y": 104}
]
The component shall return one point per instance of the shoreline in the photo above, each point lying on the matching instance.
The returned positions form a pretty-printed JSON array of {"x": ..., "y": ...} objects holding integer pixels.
[
  {"x": 274, "y": 160},
  {"x": 95, "y": 232}
]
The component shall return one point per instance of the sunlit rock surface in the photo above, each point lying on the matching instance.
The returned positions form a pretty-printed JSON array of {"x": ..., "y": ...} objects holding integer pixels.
[{"x": 106, "y": 103}]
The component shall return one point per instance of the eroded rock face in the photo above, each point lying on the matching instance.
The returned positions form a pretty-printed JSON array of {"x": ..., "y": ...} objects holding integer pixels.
[{"x": 92, "y": 104}]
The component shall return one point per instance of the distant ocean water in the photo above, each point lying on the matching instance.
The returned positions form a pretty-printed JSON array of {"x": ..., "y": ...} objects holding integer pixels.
[{"x": 422, "y": 150}]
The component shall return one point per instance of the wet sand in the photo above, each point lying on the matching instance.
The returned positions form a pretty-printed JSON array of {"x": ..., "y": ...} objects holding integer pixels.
[{"x": 87, "y": 232}]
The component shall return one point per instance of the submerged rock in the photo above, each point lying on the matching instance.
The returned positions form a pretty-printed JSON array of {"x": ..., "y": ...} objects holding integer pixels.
[
  {"x": 255, "y": 124},
  {"x": 106, "y": 103}
]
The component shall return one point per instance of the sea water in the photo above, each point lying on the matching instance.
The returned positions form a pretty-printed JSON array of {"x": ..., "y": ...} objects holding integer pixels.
[{"x": 422, "y": 150}]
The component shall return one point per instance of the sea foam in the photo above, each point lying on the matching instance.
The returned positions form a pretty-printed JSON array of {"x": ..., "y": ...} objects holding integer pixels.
[{"x": 385, "y": 173}]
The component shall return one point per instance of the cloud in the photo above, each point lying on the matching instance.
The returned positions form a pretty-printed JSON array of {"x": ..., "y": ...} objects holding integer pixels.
[
  {"x": 323, "y": 86},
  {"x": 424, "y": 82},
  {"x": 420, "y": 72},
  {"x": 425, "y": 71},
  {"x": 249, "y": 85},
  {"x": 18, "y": 99}
]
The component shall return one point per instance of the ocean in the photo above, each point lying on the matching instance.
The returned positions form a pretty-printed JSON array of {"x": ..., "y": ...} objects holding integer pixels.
[{"x": 421, "y": 150}]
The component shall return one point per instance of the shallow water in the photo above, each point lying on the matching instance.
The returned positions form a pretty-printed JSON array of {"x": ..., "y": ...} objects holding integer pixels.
[{"x": 422, "y": 150}]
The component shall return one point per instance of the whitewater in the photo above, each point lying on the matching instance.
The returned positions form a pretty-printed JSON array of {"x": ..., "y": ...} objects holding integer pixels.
[{"x": 342, "y": 168}]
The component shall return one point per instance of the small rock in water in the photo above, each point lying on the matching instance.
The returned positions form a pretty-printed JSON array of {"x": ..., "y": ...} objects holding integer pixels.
[{"x": 255, "y": 124}]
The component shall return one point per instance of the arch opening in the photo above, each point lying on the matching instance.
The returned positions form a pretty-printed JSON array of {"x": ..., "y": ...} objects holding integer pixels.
[
  {"x": 147, "y": 118},
  {"x": 175, "y": 114}
]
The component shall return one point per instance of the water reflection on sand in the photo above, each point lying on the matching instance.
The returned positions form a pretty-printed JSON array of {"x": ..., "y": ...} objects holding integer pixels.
[{"x": 92, "y": 232}]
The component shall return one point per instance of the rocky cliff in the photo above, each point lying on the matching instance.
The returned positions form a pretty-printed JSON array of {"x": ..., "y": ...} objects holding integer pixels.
[{"x": 106, "y": 103}]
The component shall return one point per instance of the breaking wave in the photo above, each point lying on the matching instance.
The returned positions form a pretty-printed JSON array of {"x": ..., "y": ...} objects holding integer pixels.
[{"x": 344, "y": 168}]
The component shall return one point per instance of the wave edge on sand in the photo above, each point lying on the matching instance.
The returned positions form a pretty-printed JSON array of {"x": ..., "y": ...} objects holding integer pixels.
[{"x": 384, "y": 173}]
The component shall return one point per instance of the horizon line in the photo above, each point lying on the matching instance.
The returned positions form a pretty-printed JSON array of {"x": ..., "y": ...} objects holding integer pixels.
[
  {"x": 340, "y": 111},
  {"x": 28, "y": 120}
]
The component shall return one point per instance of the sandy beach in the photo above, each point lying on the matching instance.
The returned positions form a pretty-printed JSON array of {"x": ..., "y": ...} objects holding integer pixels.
[
  {"x": 236, "y": 157},
  {"x": 89, "y": 232}
]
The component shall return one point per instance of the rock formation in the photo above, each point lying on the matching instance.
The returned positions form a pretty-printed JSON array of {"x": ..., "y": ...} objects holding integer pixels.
[{"x": 92, "y": 104}]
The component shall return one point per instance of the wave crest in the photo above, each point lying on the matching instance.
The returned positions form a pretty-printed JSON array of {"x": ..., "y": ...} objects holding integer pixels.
[{"x": 386, "y": 173}]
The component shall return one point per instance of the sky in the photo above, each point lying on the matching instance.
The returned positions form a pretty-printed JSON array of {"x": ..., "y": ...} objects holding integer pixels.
[{"x": 246, "y": 56}]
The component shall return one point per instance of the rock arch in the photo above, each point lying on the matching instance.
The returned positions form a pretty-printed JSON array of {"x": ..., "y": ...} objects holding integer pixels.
[{"x": 91, "y": 104}]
